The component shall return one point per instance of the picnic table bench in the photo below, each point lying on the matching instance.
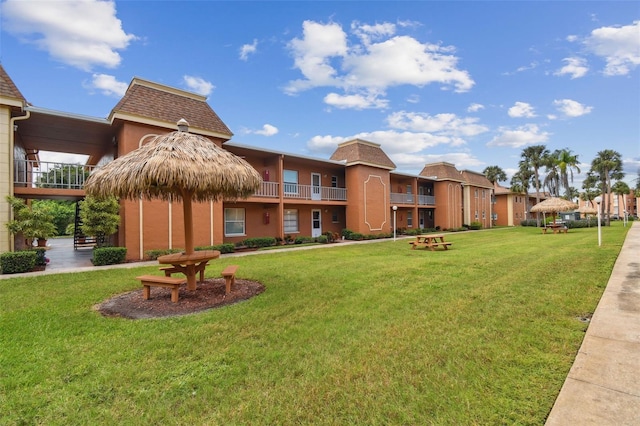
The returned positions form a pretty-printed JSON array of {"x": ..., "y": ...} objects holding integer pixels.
[
  {"x": 149, "y": 281},
  {"x": 430, "y": 241},
  {"x": 555, "y": 228},
  {"x": 229, "y": 275}
]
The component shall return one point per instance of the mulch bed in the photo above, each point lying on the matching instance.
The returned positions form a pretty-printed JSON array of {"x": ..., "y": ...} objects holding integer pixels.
[{"x": 208, "y": 295}]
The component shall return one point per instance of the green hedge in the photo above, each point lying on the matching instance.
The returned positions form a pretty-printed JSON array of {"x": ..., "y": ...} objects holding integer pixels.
[
  {"x": 154, "y": 254},
  {"x": 222, "y": 248},
  {"x": 109, "y": 255},
  {"x": 18, "y": 262},
  {"x": 259, "y": 242}
]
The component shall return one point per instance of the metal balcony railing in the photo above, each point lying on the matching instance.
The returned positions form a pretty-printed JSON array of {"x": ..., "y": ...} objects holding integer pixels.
[
  {"x": 423, "y": 200},
  {"x": 41, "y": 174}
]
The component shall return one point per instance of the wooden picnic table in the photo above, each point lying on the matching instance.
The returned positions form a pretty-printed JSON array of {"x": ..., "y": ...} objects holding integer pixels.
[
  {"x": 430, "y": 241},
  {"x": 556, "y": 228},
  {"x": 189, "y": 264}
]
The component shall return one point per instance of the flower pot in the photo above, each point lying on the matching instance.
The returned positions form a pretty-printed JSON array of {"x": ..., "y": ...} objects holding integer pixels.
[{"x": 42, "y": 242}]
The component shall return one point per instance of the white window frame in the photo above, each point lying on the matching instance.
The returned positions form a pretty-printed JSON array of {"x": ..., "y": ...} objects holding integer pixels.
[
  {"x": 291, "y": 221},
  {"x": 290, "y": 185},
  {"x": 232, "y": 216}
]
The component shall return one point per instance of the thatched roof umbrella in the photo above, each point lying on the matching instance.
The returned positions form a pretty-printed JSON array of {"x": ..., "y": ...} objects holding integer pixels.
[
  {"x": 554, "y": 205},
  {"x": 587, "y": 211},
  {"x": 177, "y": 166}
]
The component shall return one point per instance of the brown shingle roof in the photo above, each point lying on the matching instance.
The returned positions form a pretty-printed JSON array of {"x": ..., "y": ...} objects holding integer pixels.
[
  {"x": 150, "y": 100},
  {"x": 8, "y": 88},
  {"x": 442, "y": 171},
  {"x": 476, "y": 179},
  {"x": 362, "y": 152}
]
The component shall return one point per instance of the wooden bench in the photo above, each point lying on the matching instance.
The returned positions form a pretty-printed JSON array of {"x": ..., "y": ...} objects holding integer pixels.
[
  {"x": 229, "y": 275},
  {"x": 168, "y": 270},
  {"x": 149, "y": 281}
]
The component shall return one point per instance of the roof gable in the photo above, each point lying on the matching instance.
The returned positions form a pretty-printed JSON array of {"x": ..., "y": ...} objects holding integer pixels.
[
  {"x": 476, "y": 179},
  {"x": 146, "y": 100},
  {"x": 8, "y": 89},
  {"x": 358, "y": 151},
  {"x": 442, "y": 171}
]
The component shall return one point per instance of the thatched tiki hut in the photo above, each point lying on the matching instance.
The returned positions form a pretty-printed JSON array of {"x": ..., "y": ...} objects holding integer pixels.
[
  {"x": 177, "y": 166},
  {"x": 554, "y": 205}
]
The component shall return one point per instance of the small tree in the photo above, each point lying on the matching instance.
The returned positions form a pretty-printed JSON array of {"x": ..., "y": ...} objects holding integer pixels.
[
  {"x": 100, "y": 217},
  {"x": 31, "y": 222}
]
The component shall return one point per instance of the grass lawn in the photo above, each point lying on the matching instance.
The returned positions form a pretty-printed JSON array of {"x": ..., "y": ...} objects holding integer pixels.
[{"x": 484, "y": 333}]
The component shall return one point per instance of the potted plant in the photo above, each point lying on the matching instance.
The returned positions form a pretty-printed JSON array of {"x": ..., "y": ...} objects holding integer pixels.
[{"x": 31, "y": 222}]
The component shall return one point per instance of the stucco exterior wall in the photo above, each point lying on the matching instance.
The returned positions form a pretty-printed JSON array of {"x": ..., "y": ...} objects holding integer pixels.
[{"x": 6, "y": 181}]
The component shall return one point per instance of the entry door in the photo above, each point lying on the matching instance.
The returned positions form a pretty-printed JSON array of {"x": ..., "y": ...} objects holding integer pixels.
[
  {"x": 316, "y": 223},
  {"x": 315, "y": 186},
  {"x": 421, "y": 219}
]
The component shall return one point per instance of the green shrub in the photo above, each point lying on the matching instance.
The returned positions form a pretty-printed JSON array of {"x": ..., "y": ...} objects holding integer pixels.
[
  {"x": 222, "y": 248},
  {"x": 155, "y": 254},
  {"x": 346, "y": 233},
  {"x": 18, "y": 262},
  {"x": 475, "y": 226},
  {"x": 109, "y": 255},
  {"x": 322, "y": 239},
  {"x": 41, "y": 259},
  {"x": 258, "y": 242},
  {"x": 303, "y": 240}
]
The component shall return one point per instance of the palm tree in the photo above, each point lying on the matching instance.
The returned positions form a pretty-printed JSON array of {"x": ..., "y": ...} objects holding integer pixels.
[
  {"x": 608, "y": 166},
  {"x": 567, "y": 162},
  {"x": 494, "y": 174},
  {"x": 552, "y": 179},
  {"x": 534, "y": 157}
]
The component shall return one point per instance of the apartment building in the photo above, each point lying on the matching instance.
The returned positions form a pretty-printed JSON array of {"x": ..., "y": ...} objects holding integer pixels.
[{"x": 356, "y": 188}]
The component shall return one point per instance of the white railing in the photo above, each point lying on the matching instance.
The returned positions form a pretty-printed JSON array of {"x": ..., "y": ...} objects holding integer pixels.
[
  {"x": 268, "y": 189},
  {"x": 41, "y": 174},
  {"x": 310, "y": 192}
]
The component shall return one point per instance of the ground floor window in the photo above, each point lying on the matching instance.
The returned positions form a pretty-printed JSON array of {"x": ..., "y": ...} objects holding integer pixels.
[
  {"x": 291, "y": 221},
  {"x": 334, "y": 216},
  {"x": 409, "y": 219},
  {"x": 234, "y": 222}
]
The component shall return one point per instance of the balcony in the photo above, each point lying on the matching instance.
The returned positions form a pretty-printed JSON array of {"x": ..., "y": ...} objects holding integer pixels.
[
  {"x": 301, "y": 192},
  {"x": 41, "y": 174},
  {"x": 423, "y": 200},
  {"x": 315, "y": 193}
]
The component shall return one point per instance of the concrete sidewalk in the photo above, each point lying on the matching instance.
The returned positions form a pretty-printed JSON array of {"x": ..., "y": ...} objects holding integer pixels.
[{"x": 603, "y": 385}]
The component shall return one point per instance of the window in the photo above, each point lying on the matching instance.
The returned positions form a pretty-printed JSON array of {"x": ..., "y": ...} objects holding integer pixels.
[
  {"x": 409, "y": 219},
  {"x": 334, "y": 181},
  {"x": 476, "y": 215},
  {"x": 290, "y": 178},
  {"x": 483, "y": 193},
  {"x": 290, "y": 220},
  {"x": 334, "y": 216},
  {"x": 476, "y": 193},
  {"x": 233, "y": 222},
  {"x": 484, "y": 215}
]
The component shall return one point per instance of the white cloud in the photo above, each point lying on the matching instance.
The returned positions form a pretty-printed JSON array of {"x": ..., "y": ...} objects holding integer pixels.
[
  {"x": 375, "y": 60},
  {"x": 528, "y": 134},
  {"x": 80, "y": 33},
  {"x": 267, "y": 130},
  {"x": 618, "y": 46},
  {"x": 522, "y": 109},
  {"x": 575, "y": 67},
  {"x": 198, "y": 85},
  {"x": 571, "y": 108},
  {"x": 444, "y": 124},
  {"x": 358, "y": 101},
  {"x": 475, "y": 107},
  {"x": 413, "y": 99},
  {"x": 108, "y": 85},
  {"x": 248, "y": 49}
]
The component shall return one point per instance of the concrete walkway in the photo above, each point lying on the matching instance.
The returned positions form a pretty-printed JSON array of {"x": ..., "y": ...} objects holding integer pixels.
[{"x": 603, "y": 385}]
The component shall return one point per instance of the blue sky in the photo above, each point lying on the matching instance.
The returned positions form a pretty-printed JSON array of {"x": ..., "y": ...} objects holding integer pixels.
[{"x": 471, "y": 83}]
